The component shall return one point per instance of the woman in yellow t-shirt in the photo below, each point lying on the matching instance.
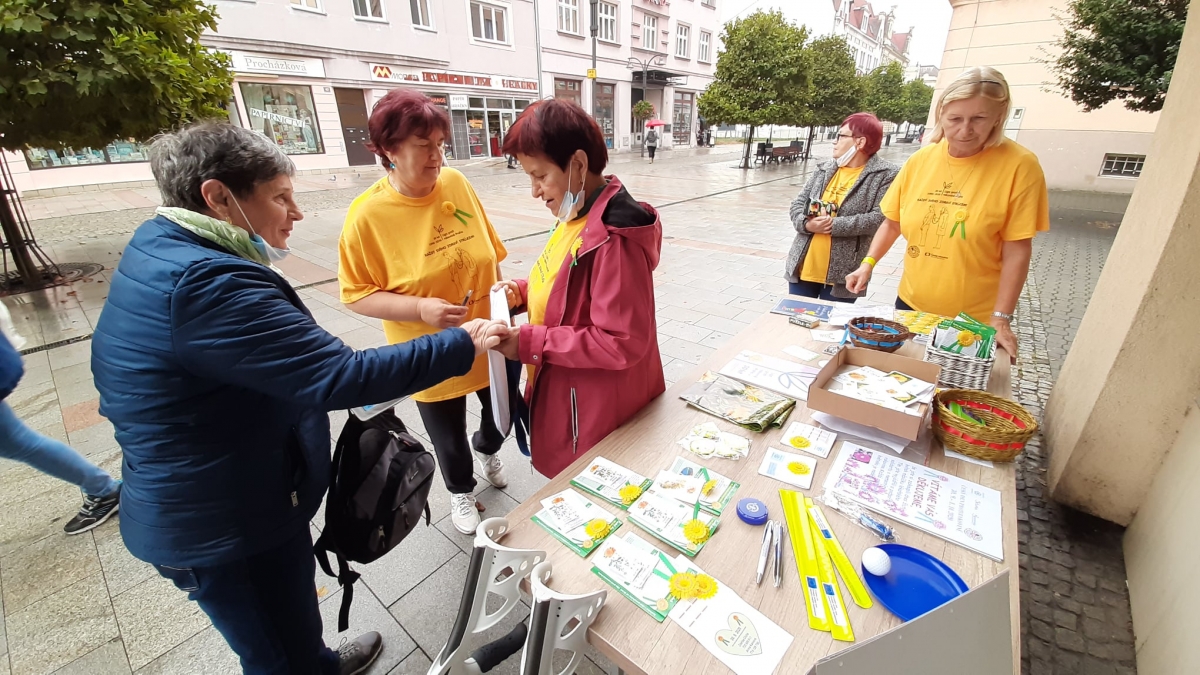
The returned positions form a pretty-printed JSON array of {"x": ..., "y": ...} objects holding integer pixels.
[
  {"x": 837, "y": 212},
  {"x": 418, "y": 251},
  {"x": 968, "y": 206}
]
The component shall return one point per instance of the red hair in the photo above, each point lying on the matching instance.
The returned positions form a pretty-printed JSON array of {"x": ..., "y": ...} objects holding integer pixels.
[
  {"x": 556, "y": 129},
  {"x": 865, "y": 125},
  {"x": 402, "y": 113}
]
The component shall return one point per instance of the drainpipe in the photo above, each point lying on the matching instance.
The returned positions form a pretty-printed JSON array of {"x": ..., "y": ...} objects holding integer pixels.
[{"x": 537, "y": 40}]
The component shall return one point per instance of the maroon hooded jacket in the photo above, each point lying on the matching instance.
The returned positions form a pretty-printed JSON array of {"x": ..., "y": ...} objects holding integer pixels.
[{"x": 596, "y": 357}]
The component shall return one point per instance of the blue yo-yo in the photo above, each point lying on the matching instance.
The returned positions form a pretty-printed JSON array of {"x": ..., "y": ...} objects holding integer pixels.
[{"x": 752, "y": 511}]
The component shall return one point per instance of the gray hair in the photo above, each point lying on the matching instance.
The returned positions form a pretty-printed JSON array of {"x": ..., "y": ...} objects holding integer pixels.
[{"x": 240, "y": 158}]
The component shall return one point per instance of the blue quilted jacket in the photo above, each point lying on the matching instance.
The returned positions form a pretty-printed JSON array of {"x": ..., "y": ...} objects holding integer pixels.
[{"x": 218, "y": 382}]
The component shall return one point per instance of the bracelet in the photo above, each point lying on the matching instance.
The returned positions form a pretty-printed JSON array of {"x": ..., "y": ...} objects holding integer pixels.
[
  {"x": 870, "y": 261},
  {"x": 1002, "y": 315}
]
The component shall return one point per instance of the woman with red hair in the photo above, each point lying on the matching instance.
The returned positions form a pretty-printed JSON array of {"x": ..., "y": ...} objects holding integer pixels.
[
  {"x": 837, "y": 213},
  {"x": 591, "y": 344},
  {"x": 418, "y": 252}
]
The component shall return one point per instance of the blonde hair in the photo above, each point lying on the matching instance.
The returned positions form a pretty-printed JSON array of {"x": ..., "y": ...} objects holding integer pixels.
[{"x": 981, "y": 81}]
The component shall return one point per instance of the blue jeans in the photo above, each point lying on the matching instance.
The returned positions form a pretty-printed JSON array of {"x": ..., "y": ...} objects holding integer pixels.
[
  {"x": 265, "y": 606},
  {"x": 19, "y": 442},
  {"x": 811, "y": 289}
]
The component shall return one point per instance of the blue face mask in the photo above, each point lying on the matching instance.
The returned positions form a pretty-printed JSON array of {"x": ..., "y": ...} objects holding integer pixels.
[
  {"x": 268, "y": 251},
  {"x": 571, "y": 201}
]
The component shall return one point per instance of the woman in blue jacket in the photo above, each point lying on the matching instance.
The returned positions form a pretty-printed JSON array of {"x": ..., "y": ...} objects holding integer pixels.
[{"x": 218, "y": 381}]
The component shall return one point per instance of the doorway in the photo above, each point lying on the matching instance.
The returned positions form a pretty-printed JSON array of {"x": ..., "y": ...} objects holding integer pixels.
[{"x": 352, "y": 111}]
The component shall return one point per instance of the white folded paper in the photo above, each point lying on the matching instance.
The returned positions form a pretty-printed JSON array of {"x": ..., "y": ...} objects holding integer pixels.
[{"x": 497, "y": 367}]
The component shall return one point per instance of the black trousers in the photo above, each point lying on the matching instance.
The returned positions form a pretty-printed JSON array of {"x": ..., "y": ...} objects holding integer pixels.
[
  {"x": 650, "y": 149},
  {"x": 446, "y": 424},
  {"x": 811, "y": 289},
  {"x": 900, "y": 304}
]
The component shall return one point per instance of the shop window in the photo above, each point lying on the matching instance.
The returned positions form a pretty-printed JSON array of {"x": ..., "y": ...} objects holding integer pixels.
[
  {"x": 705, "y": 54},
  {"x": 284, "y": 113},
  {"x": 117, "y": 152},
  {"x": 569, "y": 90},
  {"x": 605, "y": 111},
  {"x": 1123, "y": 166},
  {"x": 368, "y": 9},
  {"x": 650, "y": 32},
  {"x": 309, "y": 5},
  {"x": 489, "y": 22},
  {"x": 495, "y": 103},
  {"x": 421, "y": 15},
  {"x": 682, "y": 33},
  {"x": 682, "y": 120},
  {"x": 607, "y": 22},
  {"x": 568, "y": 16}
]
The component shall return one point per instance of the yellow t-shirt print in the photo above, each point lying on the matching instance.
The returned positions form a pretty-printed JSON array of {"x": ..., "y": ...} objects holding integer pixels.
[
  {"x": 816, "y": 260},
  {"x": 565, "y": 240},
  {"x": 438, "y": 246},
  {"x": 955, "y": 215}
]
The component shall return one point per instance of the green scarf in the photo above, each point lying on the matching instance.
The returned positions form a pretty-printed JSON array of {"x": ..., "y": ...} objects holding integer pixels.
[{"x": 229, "y": 237}]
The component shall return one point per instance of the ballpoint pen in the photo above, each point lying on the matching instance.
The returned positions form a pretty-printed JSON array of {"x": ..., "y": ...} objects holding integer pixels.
[
  {"x": 468, "y": 298},
  {"x": 778, "y": 553},
  {"x": 768, "y": 531}
]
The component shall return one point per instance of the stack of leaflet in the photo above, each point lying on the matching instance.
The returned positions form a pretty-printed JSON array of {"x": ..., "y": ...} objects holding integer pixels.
[{"x": 893, "y": 390}]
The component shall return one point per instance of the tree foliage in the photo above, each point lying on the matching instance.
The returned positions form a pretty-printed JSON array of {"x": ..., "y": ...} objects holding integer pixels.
[
  {"x": 836, "y": 88},
  {"x": 87, "y": 72},
  {"x": 918, "y": 98},
  {"x": 884, "y": 92},
  {"x": 1119, "y": 50},
  {"x": 643, "y": 110},
  {"x": 762, "y": 74}
]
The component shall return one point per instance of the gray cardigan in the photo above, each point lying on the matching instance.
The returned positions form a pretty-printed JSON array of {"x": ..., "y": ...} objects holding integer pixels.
[{"x": 853, "y": 228}]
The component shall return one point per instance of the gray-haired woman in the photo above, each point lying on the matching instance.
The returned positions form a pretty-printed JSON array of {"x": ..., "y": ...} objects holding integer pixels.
[{"x": 218, "y": 381}]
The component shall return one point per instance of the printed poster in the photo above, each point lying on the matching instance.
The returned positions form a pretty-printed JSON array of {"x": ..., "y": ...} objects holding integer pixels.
[{"x": 957, "y": 510}]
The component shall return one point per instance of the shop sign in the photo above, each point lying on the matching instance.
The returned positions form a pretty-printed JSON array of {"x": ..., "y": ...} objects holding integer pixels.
[
  {"x": 244, "y": 62},
  {"x": 459, "y": 102},
  {"x": 276, "y": 117},
  {"x": 437, "y": 99},
  {"x": 385, "y": 73}
]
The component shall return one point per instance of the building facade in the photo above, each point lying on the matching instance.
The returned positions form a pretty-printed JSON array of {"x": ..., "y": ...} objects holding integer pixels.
[
  {"x": 925, "y": 73},
  {"x": 1101, "y": 151},
  {"x": 871, "y": 35},
  {"x": 672, "y": 42}
]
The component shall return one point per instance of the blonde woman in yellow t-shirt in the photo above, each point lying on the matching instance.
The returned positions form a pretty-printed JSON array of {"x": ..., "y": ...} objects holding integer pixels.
[
  {"x": 418, "y": 252},
  {"x": 968, "y": 205}
]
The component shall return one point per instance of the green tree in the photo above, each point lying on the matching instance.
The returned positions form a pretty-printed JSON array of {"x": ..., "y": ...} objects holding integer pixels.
[
  {"x": 918, "y": 97},
  {"x": 87, "y": 72},
  {"x": 762, "y": 74},
  {"x": 884, "y": 92},
  {"x": 837, "y": 90},
  {"x": 1119, "y": 50}
]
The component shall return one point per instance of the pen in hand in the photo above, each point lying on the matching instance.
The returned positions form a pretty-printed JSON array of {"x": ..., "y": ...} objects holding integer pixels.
[{"x": 466, "y": 299}]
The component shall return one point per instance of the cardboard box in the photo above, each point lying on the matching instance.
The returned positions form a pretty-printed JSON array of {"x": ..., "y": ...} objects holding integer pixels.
[{"x": 854, "y": 410}]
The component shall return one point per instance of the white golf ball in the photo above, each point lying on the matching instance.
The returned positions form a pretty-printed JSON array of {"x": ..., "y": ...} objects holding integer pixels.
[{"x": 876, "y": 561}]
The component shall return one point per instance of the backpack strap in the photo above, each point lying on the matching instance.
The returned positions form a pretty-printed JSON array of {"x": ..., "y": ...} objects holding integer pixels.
[
  {"x": 346, "y": 578},
  {"x": 518, "y": 407}
]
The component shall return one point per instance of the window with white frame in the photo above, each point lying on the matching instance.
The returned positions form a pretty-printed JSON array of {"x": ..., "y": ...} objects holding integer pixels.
[
  {"x": 682, "y": 33},
  {"x": 489, "y": 22},
  {"x": 310, "y": 5},
  {"x": 421, "y": 16},
  {"x": 705, "y": 54},
  {"x": 650, "y": 32},
  {"x": 1123, "y": 166},
  {"x": 608, "y": 22},
  {"x": 368, "y": 9},
  {"x": 568, "y": 16}
]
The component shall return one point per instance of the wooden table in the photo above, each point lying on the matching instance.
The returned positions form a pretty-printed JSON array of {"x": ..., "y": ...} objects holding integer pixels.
[{"x": 647, "y": 444}]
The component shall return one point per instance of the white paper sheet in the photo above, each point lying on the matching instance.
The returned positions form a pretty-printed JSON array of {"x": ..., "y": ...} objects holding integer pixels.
[
  {"x": 967, "y": 459},
  {"x": 810, "y": 439},
  {"x": 834, "y": 336},
  {"x": 862, "y": 431},
  {"x": 842, "y": 313},
  {"x": 795, "y": 470},
  {"x": 798, "y": 352},
  {"x": 779, "y": 375},
  {"x": 497, "y": 367}
]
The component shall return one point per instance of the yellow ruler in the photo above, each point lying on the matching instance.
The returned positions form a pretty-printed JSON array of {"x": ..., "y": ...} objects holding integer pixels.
[
  {"x": 806, "y": 558},
  {"x": 839, "y": 621},
  {"x": 844, "y": 567}
]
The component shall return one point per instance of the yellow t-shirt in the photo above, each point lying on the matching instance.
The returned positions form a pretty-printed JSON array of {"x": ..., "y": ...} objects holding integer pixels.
[
  {"x": 955, "y": 215},
  {"x": 565, "y": 239},
  {"x": 816, "y": 259},
  {"x": 438, "y": 246}
]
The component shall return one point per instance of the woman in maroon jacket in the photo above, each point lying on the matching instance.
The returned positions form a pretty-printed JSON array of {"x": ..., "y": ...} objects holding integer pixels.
[{"x": 591, "y": 344}]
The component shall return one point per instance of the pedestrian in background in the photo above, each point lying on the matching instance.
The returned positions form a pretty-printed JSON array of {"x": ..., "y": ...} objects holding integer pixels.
[
  {"x": 219, "y": 383},
  {"x": 827, "y": 248},
  {"x": 591, "y": 344},
  {"x": 651, "y": 142},
  {"x": 969, "y": 206},
  {"x": 101, "y": 494},
  {"x": 418, "y": 251}
]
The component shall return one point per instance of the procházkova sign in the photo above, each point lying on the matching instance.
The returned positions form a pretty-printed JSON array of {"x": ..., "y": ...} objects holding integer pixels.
[
  {"x": 244, "y": 62},
  {"x": 386, "y": 73}
]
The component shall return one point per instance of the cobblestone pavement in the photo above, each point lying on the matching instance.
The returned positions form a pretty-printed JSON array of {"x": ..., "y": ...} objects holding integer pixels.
[
  {"x": 83, "y": 604},
  {"x": 1074, "y": 602}
]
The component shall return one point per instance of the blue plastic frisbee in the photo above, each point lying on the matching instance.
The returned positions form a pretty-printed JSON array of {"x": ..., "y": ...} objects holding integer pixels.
[{"x": 917, "y": 582}]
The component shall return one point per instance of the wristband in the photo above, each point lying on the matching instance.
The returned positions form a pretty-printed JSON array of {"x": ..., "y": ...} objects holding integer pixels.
[
  {"x": 1002, "y": 315},
  {"x": 869, "y": 260}
]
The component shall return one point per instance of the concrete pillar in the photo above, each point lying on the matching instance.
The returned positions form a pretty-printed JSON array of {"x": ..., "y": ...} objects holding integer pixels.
[{"x": 1134, "y": 368}]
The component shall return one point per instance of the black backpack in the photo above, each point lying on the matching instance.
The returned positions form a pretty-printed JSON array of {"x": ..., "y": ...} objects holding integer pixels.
[{"x": 379, "y": 485}]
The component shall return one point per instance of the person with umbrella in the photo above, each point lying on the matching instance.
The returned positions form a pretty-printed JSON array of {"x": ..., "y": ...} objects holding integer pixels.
[{"x": 652, "y": 137}]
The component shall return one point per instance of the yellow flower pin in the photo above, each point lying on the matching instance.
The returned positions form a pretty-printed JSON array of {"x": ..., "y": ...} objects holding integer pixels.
[
  {"x": 708, "y": 487},
  {"x": 966, "y": 338},
  {"x": 630, "y": 492},
  {"x": 575, "y": 246},
  {"x": 696, "y": 531},
  {"x": 960, "y": 215},
  {"x": 706, "y": 587},
  {"x": 597, "y": 528},
  {"x": 683, "y": 585},
  {"x": 448, "y": 208}
]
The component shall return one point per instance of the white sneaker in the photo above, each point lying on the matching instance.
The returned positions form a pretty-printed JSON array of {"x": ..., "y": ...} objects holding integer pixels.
[
  {"x": 493, "y": 469},
  {"x": 463, "y": 513}
]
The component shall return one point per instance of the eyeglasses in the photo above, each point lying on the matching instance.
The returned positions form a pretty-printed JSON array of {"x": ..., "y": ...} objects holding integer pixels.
[{"x": 847, "y": 136}]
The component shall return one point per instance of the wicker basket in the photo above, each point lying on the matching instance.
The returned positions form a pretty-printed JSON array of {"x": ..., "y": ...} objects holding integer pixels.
[
  {"x": 959, "y": 371},
  {"x": 1007, "y": 428},
  {"x": 878, "y": 334}
]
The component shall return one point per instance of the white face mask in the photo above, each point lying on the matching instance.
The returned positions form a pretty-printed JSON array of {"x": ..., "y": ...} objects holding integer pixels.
[
  {"x": 269, "y": 252},
  {"x": 845, "y": 159},
  {"x": 571, "y": 201}
]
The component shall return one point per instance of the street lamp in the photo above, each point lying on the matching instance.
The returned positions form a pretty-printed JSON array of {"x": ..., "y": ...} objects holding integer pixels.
[{"x": 633, "y": 63}]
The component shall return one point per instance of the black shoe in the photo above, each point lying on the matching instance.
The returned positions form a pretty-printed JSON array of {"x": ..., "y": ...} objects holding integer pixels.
[
  {"x": 358, "y": 655},
  {"x": 94, "y": 512}
]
